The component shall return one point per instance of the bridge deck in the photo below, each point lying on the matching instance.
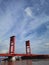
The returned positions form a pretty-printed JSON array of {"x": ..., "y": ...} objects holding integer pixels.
[{"x": 23, "y": 54}]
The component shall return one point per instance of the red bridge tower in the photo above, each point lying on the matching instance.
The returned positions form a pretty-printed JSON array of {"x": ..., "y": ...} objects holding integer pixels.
[
  {"x": 12, "y": 45},
  {"x": 28, "y": 49}
]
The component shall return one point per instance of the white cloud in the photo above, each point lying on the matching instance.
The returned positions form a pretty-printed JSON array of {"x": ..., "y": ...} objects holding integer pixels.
[
  {"x": 46, "y": 45},
  {"x": 4, "y": 46},
  {"x": 3, "y": 51},
  {"x": 28, "y": 11}
]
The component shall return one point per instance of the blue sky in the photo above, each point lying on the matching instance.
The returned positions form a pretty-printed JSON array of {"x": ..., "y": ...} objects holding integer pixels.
[{"x": 27, "y": 20}]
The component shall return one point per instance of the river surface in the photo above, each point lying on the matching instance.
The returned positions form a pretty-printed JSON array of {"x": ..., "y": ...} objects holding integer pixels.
[{"x": 26, "y": 62}]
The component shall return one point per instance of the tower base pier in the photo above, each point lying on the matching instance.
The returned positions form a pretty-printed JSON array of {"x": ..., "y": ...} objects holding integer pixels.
[{"x": 10, "y": 58}]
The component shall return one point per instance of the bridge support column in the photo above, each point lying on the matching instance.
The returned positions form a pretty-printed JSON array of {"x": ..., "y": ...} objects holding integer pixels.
[
  {"x": 10, "y": 58},
  {"x": 28, "y": 49},
  {"x": 12, "y": 48},
  {"x": 12, "y": 45}
]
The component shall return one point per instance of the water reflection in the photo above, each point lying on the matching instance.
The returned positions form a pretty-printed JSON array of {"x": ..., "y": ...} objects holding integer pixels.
[
  {"x": 11, "y": 63},
  {"x": 28, "y": 62},
  {"x": 22, "y": 62},
  {"x": 3, "y": 63}
]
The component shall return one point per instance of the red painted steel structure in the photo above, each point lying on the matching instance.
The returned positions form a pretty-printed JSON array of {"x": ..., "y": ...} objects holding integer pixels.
[
  {"x": 28, "y": 49},
  {"x": 23, "y": 55},
  {"x": 12, "y": 45},
  {"x": 12, "y": 49}
]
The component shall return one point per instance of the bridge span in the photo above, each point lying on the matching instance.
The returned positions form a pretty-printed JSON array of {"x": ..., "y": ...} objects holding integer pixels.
[{"x": 12, "y": 53}]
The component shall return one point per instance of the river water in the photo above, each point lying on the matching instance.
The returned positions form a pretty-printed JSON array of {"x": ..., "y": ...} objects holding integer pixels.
[{"x": 26, "y": 62}]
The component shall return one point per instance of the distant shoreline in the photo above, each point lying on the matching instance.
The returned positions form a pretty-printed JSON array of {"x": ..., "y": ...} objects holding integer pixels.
[{"x": 35, "y": 57}]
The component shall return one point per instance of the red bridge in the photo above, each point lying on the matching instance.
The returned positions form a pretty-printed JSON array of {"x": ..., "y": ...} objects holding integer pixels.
[{"x": 12, "y": 49}]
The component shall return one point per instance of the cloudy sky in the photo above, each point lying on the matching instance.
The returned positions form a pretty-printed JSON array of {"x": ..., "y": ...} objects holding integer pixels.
[{"x": 27, "y": 20}]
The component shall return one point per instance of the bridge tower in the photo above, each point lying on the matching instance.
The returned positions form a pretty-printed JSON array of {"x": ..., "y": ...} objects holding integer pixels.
[
  {"x": 28, "y": 49},
  {"x": 12, "y": 45}
]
